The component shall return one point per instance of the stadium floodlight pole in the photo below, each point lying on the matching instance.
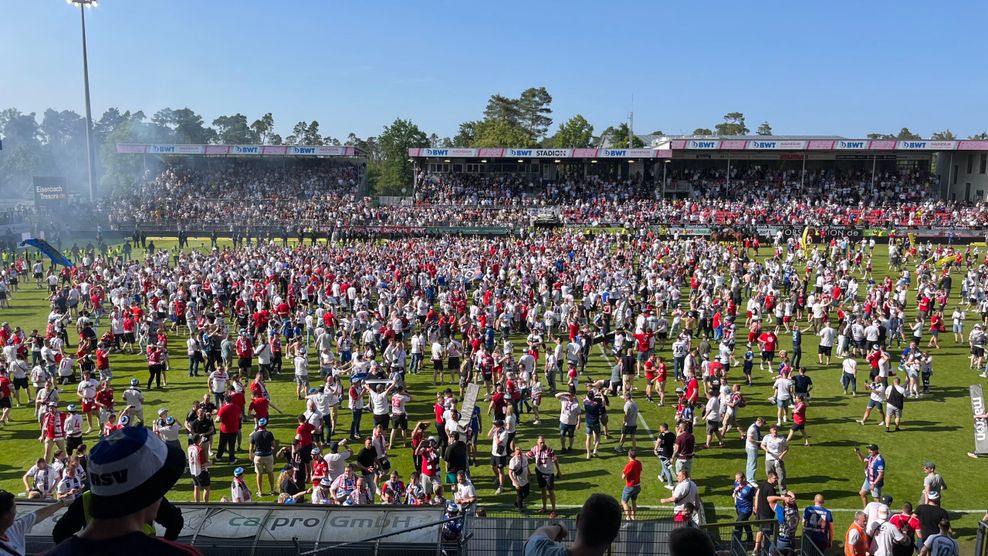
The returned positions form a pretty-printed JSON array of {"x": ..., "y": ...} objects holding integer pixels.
[
  {"x": 665, "y": 166},
  {"x": 91, "y": 161}
]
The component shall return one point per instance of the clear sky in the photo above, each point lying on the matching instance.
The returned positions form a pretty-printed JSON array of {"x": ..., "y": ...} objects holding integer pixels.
[{"x": 835, "y": 67}]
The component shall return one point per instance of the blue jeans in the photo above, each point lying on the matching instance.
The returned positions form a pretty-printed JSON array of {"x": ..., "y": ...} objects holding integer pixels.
[
  {"x": 847, "y": 379},
  {"x": 355, "y": 424},
  {"x": 665, "y": 471},
  {"x": 751, "y": 464}
]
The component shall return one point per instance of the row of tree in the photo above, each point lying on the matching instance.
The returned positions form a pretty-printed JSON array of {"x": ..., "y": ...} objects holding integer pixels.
[{"x": 56, "y": 145}]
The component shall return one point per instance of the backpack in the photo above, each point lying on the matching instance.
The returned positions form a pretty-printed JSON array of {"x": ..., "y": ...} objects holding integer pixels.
[{"x": 741, "y": 401}]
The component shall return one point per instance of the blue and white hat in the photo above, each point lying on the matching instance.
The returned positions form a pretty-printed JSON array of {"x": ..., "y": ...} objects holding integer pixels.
[{"x": 131, "y": 469}]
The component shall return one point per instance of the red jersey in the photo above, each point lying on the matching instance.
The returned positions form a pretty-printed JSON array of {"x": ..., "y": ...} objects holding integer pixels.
[
  {"x": 799, "y": 413},
  {"x": 229, "y": 416},
  {"x": 105, "y": 398},
  {"x": 304, "y": 433},
  {"x": 768, "y": 340},
  {"x": 259, "y": 406},
  {"x": 633, "y": 473}
]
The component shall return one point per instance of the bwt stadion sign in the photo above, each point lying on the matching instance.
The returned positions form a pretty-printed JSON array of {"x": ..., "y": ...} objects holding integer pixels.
[{"x": 49, "y": 191}]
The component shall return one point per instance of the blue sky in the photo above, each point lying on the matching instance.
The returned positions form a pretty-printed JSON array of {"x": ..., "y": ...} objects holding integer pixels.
[{"x": 807, "y": 67}]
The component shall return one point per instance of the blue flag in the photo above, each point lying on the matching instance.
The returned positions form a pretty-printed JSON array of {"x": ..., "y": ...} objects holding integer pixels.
[{"x": 54, "y": 254}]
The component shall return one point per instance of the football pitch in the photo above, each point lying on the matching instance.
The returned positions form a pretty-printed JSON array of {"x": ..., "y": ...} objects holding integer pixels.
[{"x": 938, "y": 427}]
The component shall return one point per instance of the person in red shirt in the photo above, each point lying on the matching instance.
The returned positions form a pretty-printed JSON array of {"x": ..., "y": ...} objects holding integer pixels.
[
  {"x": 229, "y": 419},
  {"x": 5, "y": 393},
  {"x": 319, "y": 466},
  {"x": 104, "y": 401},
  {"x": 303, "y": 433},
  {"x": 643, "y": 346},
  {"x": 240, "y": 401},
  {"x": 259, "y": 408},
  {"x": 632, "y": 476},
  {"x": 769, "y": 341},
  {"x": 799, "y": 420}
]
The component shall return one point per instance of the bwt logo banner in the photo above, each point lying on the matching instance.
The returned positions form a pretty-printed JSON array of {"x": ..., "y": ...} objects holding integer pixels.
[
  {"x": 521, "y": 152},
  {"x": 302, "y": 150},
  {"x": 702, "y": 144},
  {"x": 435, "y": 152},
  {"x": 852, "y": 145},
  {"x": 161, "y": 149},
  {"x": 762, "y": 144},
  {"x": 912, "y": 144},
  {"x": 245, "y": 149}
]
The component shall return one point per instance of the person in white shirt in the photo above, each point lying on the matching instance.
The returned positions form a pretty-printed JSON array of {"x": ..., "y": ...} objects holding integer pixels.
[
  {"x": 884, "y": 535},
  {"x": 135, "y": 399},
  {"x": 71, "y": 484},
  {"x": 827, "y": 336},
  {"x": 87, "y": 393},
  {"x": 73, "y": 429},
  {"x": 217, "y": 385},
  {"x": 40, "y": 480},
  {"x": 776, "y": 448},
  {"x": 849, "y": 376},
  {"x": 417, "y": 347},
  {"x": 301, "y": 365},
  {"x": 239, "y": 491},
  {"x": 437, "y": 362},
  {"x": 14, "y": 529}
]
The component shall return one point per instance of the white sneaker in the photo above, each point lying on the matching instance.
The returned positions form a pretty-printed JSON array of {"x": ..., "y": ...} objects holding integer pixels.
[{"x": 498, "y": 491}]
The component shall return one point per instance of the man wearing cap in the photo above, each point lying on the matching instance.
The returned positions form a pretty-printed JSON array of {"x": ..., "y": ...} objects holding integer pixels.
[
  {"x": 262, "y": 449},
  {"x": 929, "y": 515},
  {"x": 135, "y": 399},
  {"x": 129, "y": 473},
  {"x": 874, "y": 465},
  {"x": 933, "y": 483},
  {"x": 884, "y": 534},
  {"x": 239, "y": 492}
]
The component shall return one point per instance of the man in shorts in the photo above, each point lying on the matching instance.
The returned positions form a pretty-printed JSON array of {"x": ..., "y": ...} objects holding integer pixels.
[
  {"x": 631, "y": 475},
  {"x": 874, "y": 465},
  {"x": 569, "y": 416},
  {"x": 262, "y": 448},
  {"x": 545, "y": 463},
  {"x": 630, "y": 426},
  {"x": 198, "y": 460}
]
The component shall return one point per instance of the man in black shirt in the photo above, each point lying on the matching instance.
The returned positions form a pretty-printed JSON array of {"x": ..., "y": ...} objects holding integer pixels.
[
  {"x": 802, "y": 383},
  {"x": 663, "y": 449},
  {"x": 366, "y": 459},
  {"x": 764, "y": 510},
  {"x": 456, "y": 458},
  {"x": 262, "y": 447},
  {"x": 929, "y": 516}
]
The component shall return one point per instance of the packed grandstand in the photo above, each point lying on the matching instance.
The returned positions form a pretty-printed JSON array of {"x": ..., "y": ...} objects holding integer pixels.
[{"x": 292, "y": 196}]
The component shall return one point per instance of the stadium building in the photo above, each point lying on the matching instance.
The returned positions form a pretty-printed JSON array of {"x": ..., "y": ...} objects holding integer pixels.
[{"x": 957, "y": 169}]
